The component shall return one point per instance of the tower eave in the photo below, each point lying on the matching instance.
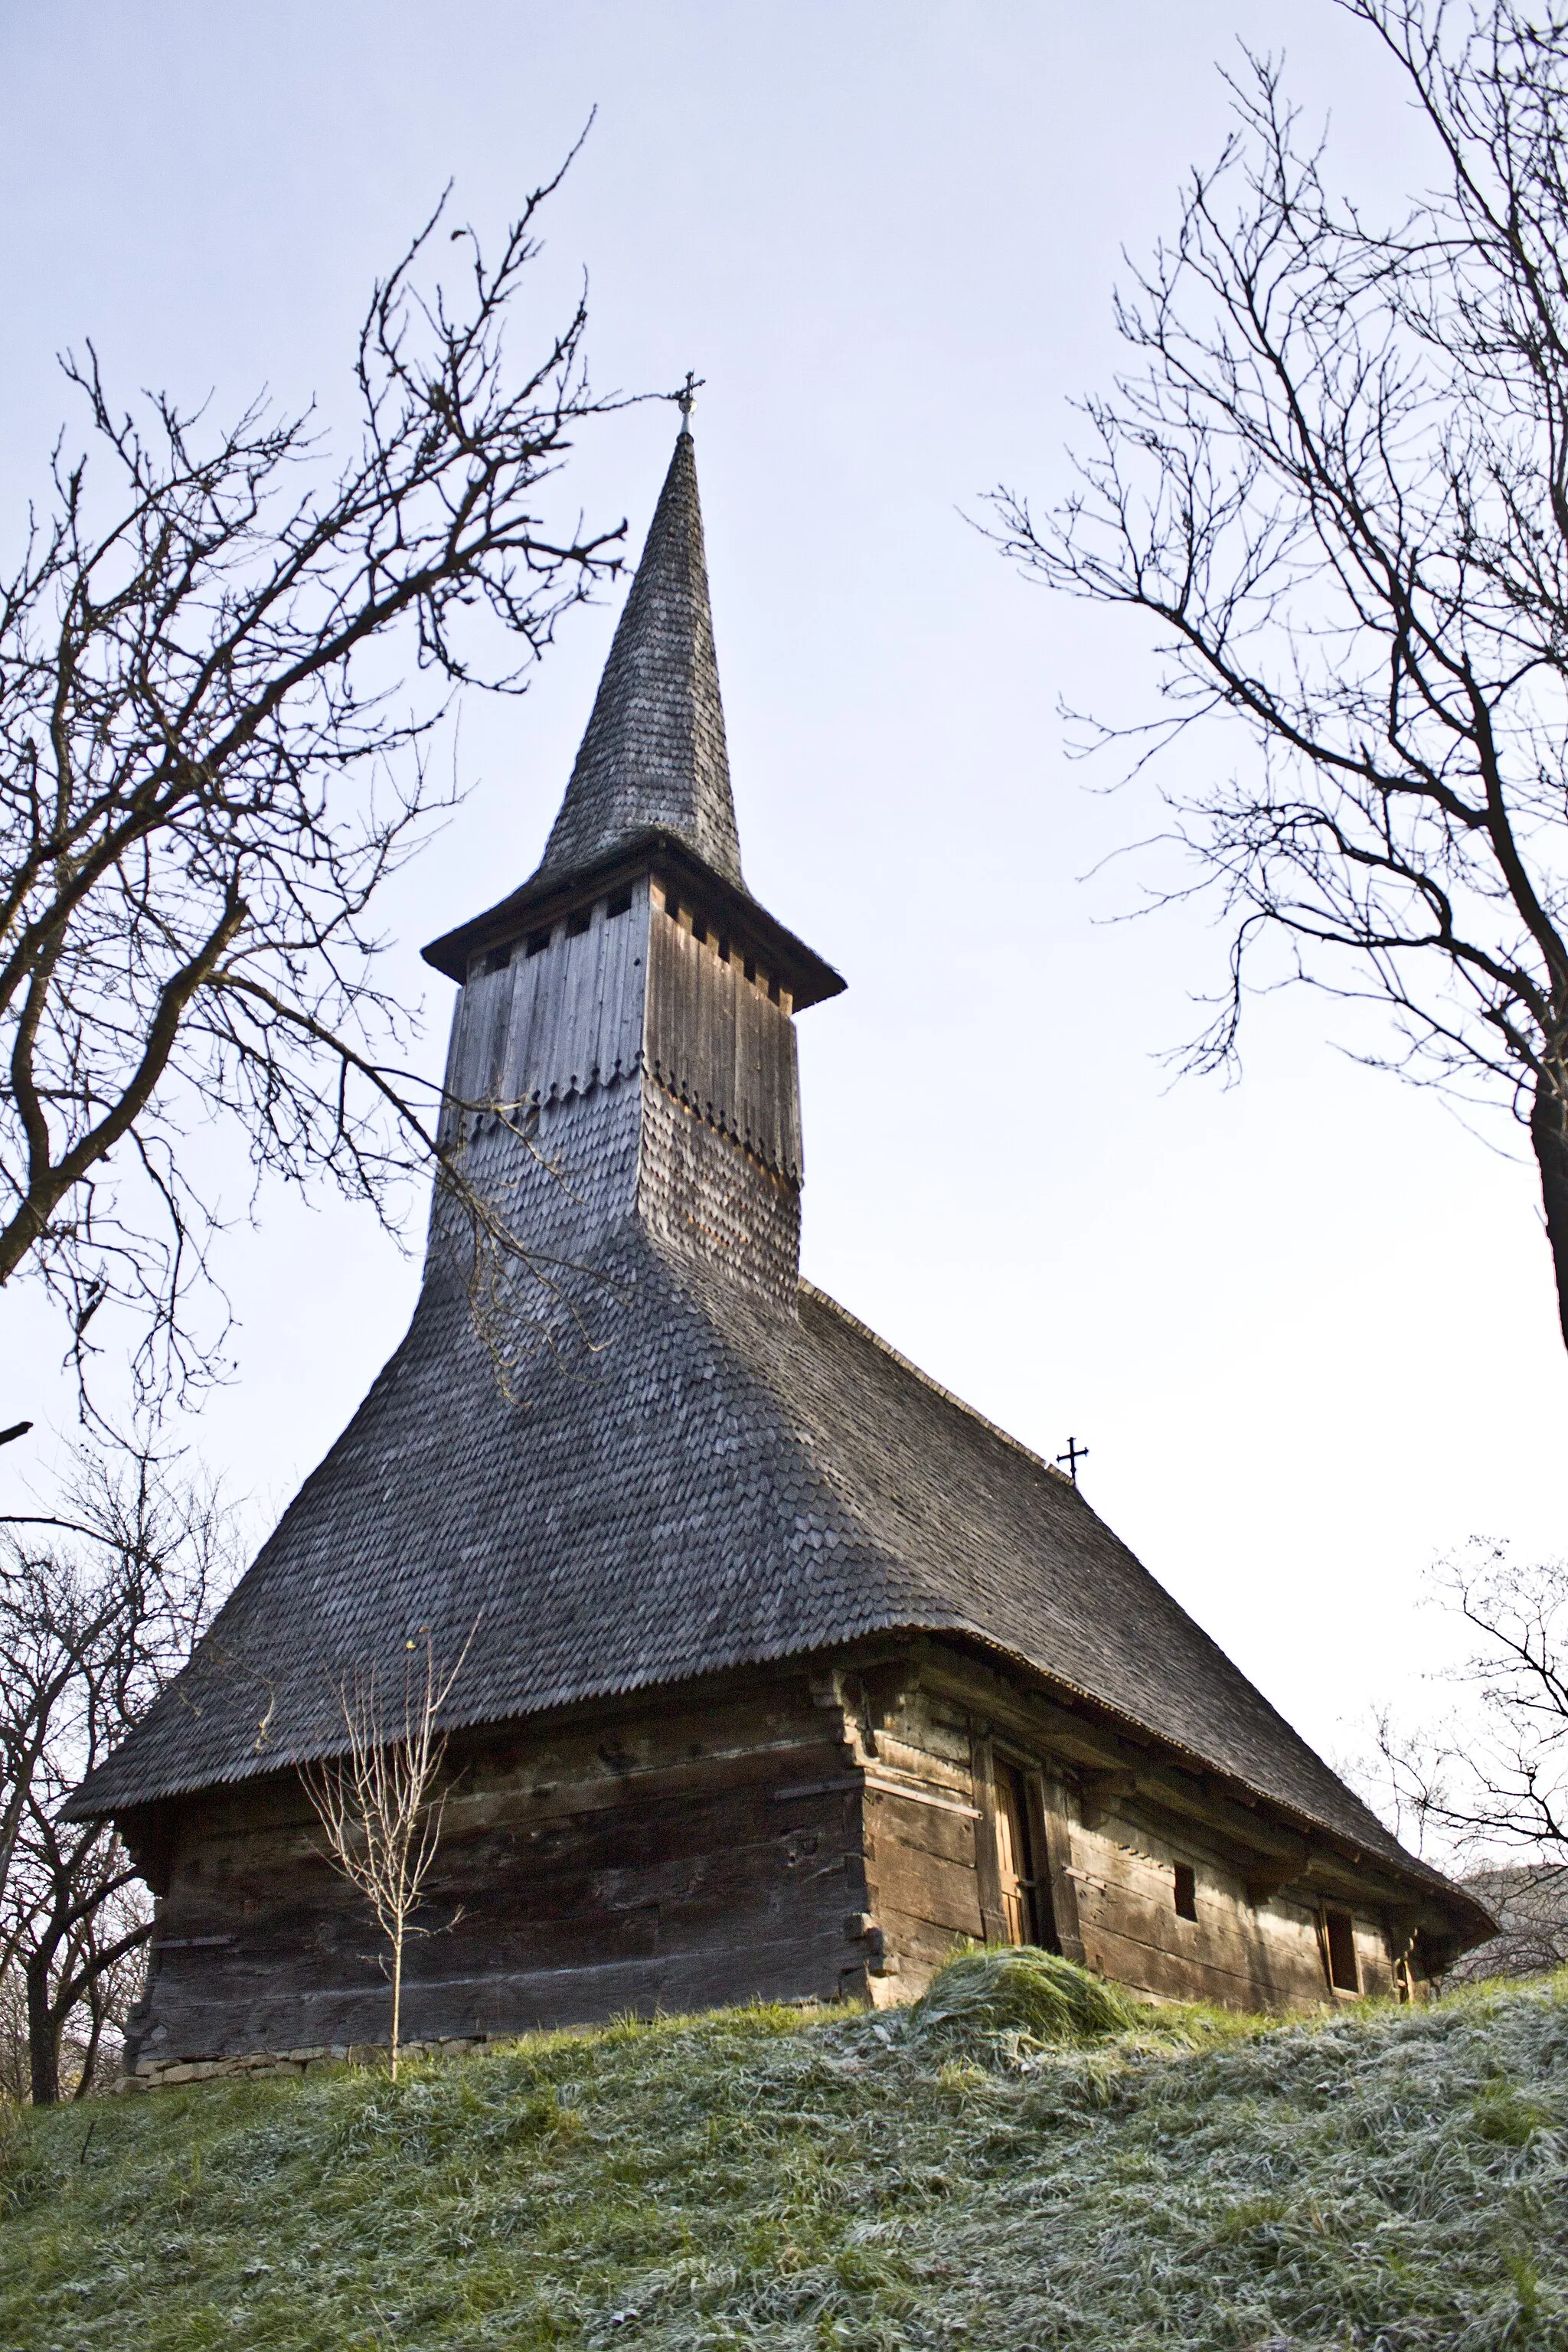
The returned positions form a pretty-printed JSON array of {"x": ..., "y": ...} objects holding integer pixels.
[{"x": 545, "y": 896}]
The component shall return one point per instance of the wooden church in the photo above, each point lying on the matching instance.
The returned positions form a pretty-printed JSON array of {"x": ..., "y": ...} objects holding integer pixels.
[{"x": 791, "y": 1672}]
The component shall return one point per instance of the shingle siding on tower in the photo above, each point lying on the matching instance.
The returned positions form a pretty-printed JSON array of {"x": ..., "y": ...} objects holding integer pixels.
[{"x": 762, "y": 1613}]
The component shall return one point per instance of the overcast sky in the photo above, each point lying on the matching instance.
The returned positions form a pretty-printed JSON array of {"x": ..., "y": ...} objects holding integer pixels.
[{"x": 1305, "y": 1326}]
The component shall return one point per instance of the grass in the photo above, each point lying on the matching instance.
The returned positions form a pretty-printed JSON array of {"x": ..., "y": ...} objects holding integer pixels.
[{"x": 1023, "y": 2161}]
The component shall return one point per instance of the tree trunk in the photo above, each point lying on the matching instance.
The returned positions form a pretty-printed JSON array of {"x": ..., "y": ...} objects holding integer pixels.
[
  {"x": 1548, "y": 1134},
  {"x": 397, "y": 1996},
  {"x": 43, "y": 2035},
  {"x": 89, "y": 2058}
]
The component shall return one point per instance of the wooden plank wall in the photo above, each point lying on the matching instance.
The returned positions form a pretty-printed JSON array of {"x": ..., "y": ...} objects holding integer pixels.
[
  {"x": 720, "y": 1047},
  {"x": 931, "y": 1871},
  {"x": 1238, "y": 1954},
  {"x": 925, "y": 1839},
  {"x": 666, "y": 1862},
  {"x": 548, "y": 1026},
  {"x": 634, "y": 990},
  {"x": 809, "y": 1836}
]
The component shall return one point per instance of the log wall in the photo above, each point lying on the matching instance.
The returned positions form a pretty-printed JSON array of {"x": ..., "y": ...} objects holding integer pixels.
[
  {"x": 661, "y": 1861},
  {"x": 800, "y": 1835},
  {"x": 1106, "y": 1887},
  {"x": 1237, "y": 1953}
]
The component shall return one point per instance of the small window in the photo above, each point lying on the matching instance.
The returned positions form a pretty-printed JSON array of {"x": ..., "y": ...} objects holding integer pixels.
[
  {"x": 723, "y": 950},
  {"x": 621, "y": 904},
  {"x": 1338, "y": 1928},
  {"x": 1187, "y": 1891},
  {"x": 698, "y": 929},
  {"x": 499, "y": 957},
  {"x": 772, "y": 991},
  {"x": 578, "y": 923},
  {"x": 672, "y": 906},
  {"x": 536, "y": 943},
  {"x": 751, "y": 969}
]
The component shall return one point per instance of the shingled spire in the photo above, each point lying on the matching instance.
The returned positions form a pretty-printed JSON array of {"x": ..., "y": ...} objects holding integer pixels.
[{"x": 654, "y": 756}]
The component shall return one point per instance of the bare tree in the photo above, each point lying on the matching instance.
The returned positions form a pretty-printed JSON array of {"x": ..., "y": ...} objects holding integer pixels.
[
  {"x": 1488, "y": 1787},
  {"x": 90, "y": 1632},
  {"x": 1336, "y": 482},
  {"x": 379, "y": 1805},
  {"x": 204, "y": 777},
  {"x": 76, "y": 1918},
  {"x": 85, "y": 2034},
  {"x": 1494, "y": 1782}
]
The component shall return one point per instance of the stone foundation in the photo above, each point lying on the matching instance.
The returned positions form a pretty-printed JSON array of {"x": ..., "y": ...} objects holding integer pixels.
[{"x": 151, "y": 2075}]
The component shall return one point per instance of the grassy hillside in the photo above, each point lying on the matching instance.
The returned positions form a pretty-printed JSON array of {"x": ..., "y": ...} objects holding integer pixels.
[{"x": 1389, "y": 2177}]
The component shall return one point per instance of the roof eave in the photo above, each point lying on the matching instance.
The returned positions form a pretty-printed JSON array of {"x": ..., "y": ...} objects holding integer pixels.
[
  {"x": 1434, "y": 1885},
  {"x": 1474, "y": 1923},
  {"x": 810, "y": 977}
]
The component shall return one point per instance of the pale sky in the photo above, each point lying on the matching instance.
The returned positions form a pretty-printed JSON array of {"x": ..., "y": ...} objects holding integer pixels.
[{"x": 1305, "y": 1326}]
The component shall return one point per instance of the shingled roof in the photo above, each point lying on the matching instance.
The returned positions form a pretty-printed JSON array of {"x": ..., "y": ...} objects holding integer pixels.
[
  {"x": 710, "y": 1491},
  {"x": 654, "y": 757}
]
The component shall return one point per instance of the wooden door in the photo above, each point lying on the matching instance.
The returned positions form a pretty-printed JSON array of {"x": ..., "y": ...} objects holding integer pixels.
[{"x": 1015, "y": 1858}]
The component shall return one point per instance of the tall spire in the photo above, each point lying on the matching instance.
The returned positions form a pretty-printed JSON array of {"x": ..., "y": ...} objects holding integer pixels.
[{"x": 654, "y": 756}]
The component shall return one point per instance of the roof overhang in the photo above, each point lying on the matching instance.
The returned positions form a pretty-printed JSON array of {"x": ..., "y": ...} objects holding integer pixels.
[
  {"x": 1234, "y": 1804},
  {"x": 1096, "y": 1735},
  {"x": 547, "y": 897}
]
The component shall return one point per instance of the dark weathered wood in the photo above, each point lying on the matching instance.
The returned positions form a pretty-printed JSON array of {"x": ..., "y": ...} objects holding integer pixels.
[
  {"x": 609, "y": 1867},
  {"x": 1252, "y": 1836},
  {"x": 719, "y": 1045},
  {"x": 790, "y": 1833},
  {"x": 1048, "y": 1866},
  {"x": 918, "y": 1947},
  {"x": 1098, "y": 1792},
  {"x": 1058, "y": 1828},
  {"x": 926, "y": 1886},
  {"x": 895, "y": 1820},
  {"x": 1266, "y": 1879},
  {"x": 992, "y": 1926}
]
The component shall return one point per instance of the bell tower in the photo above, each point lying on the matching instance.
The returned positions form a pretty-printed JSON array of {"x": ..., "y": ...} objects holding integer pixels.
[{"x": 623, "y": 1050}]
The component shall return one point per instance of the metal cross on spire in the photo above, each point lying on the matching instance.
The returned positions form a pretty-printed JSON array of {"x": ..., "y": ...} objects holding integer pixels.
[
  {"x": 1072, "y": 1457},
  {"x": 685, "y": 398}
]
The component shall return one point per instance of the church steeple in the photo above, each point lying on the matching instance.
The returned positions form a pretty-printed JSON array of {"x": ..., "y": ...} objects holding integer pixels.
[
  {"x": 632, "y": 1000},
  {"x": 651, "y": 787},
  {"x": 654, "y": 756}
]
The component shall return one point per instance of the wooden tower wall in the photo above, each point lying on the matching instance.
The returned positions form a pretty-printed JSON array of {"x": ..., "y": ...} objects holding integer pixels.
[{"x": 627, "y": 1058}]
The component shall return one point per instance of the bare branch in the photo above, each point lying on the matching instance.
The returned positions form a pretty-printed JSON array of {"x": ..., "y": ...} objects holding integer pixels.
[
  {"x": 86, "y": 1644},
  {"x": 1492, "y": 1780},
  {"x": 203, "y": 787},
  {"x": 1334, "y": 482},
  {"x": 379, "y": 1805}
]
